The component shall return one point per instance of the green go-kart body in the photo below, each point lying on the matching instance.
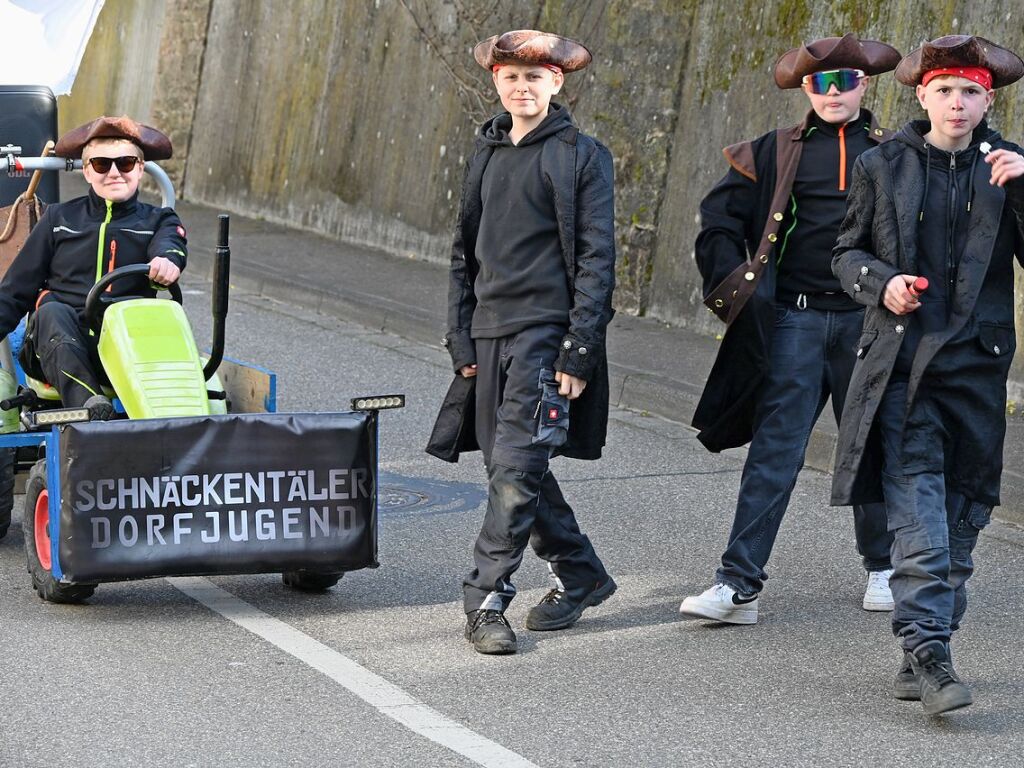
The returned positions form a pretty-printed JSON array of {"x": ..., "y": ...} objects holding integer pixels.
[{"x": 152, "y": 361}]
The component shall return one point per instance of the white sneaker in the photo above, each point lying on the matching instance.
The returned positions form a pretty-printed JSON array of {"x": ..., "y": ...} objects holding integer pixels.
[
  {"x": 878, "y": 596},
  {"x": 721, "y": 603}
]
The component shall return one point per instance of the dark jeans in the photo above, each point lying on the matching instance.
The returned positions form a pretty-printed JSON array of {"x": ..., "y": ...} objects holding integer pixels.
[
  {"x": 524, "y": 502},
  {"x": 935, "y": 530},
  {"x": 59, "y": 351},
  {"x": 812, "y": 357}
]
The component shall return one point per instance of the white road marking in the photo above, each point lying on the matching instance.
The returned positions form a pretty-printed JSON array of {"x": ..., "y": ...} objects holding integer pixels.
[{"x": 385, "y": 697}]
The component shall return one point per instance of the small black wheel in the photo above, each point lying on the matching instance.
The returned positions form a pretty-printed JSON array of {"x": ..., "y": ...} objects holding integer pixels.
[
  {"x": 36, "y": 526},
  {"x": 310, "y": 581},
  {"x": 7, "y": 456}
]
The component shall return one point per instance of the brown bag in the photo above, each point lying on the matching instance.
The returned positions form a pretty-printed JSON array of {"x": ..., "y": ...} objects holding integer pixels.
[{"x": 16, "y": 221}]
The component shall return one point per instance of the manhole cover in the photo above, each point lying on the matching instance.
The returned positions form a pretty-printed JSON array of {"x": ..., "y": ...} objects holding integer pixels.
[
  {"x": 391, "y": 498},
  {"x": 400, "y": 495}
]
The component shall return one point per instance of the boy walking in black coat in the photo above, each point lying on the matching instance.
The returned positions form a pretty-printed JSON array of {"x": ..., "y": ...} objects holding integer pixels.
[
  {"x": 925, "y": 418},
  {"x": 533, "y": 269},
  {"x": 764, "y": 251}
]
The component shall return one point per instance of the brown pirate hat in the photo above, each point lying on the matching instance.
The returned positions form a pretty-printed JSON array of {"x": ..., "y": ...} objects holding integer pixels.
[
  {"x": 154, "y": 144},
  {"x": 961, "y": 51},
  {"x": 528, "y": 46},
  {"x": 846, "y": 52}
]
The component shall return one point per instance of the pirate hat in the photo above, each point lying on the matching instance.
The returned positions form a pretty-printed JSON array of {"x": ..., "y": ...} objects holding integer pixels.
[
  {"x": 154, "y": 144},
  {"x": 954, "y": 51},
  {"x": 846, "y": 52},
  {"x": 528, "y": 46}
]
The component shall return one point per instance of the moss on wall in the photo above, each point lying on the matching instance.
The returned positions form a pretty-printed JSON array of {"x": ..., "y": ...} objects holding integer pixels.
[{"x": 355, "y": 118}]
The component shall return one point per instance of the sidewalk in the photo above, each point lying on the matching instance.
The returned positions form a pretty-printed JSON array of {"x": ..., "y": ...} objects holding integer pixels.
[{"x": 653, "y": 367}]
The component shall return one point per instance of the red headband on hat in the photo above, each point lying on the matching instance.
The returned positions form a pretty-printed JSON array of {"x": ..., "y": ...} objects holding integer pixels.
[
  {"x": 980, "y": 75},
  {"x": 552, "y": 67}
]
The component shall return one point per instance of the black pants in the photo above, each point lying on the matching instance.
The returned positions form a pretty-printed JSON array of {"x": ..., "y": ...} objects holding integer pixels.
[
  {"x": 524, "y": 502},
  {"x": 812, "y": 358},
  {"x": 61, "y": 352}
]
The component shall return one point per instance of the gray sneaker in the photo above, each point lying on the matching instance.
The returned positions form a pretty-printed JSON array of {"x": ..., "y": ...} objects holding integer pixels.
[
  {"x": 941, "y": 689},
  {"x": 906, "y": 686}
]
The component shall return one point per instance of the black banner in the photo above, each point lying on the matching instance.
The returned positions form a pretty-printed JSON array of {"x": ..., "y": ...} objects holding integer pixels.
[{"x": 244, "y": 493}]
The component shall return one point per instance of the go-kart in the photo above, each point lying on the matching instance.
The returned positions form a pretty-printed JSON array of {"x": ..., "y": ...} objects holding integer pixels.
[{"x": 197, "y": 474}]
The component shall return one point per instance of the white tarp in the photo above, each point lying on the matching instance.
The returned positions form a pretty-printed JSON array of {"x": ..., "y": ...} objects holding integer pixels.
[{"x": 43, "y": 41}]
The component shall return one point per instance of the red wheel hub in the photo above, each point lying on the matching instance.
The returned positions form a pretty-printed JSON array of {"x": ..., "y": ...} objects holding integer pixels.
[{"x": 41, "y": 527}]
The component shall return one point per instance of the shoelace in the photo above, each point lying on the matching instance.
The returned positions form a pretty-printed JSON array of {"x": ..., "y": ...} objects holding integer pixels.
[
  {"x": 554, "y": 596},
  {"x": 723, "y": 592},
  {"x": 879, "y": 579},
  {"x": 490, "y": 617},
  {"x": 941, "y": 673}
]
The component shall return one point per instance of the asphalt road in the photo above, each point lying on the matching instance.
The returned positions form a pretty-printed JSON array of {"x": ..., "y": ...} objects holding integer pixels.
[{"x": 376, "y": 672}]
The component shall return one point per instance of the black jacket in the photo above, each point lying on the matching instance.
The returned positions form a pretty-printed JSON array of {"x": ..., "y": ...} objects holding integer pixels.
[
  {"x": 71, "y": 248},
  {"x": 739, "y": 224},
  {"x": 958, "y": 370},
  {"x": 578, "y": 172}
]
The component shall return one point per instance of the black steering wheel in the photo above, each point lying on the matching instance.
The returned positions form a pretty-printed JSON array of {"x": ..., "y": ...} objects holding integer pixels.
[{"x": 98, "y": 300}]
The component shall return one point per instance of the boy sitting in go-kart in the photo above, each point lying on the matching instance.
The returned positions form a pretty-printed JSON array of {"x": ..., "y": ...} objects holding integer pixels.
[{"x": 76, "y": 243}]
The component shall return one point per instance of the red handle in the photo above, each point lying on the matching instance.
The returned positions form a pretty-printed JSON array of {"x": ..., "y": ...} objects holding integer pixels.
[{"x": 920, "y": 286}]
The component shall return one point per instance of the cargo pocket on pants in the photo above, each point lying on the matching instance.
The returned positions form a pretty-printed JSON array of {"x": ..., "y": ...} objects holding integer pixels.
[
  {"x": 552, "y": 415},
  {"x": 912, "y": 533}
]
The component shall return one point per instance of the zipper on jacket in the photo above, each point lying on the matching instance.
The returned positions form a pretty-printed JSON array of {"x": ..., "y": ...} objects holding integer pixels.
[
  {"x": 113, "y": 261},
  {"x": 99, "y": 246},
  {"x": 950, "y": 232},
  {"x": 842, "y": 158},
  {"x": 102, "y": 240}
]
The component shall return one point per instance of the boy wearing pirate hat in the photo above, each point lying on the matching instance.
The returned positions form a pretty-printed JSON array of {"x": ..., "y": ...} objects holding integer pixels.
[
  {"x": 77, "y": 242},
  {"x": 764, "y": 251},
  {"x": 925, "y": 420},
  {"x": 532, "y": 274}
]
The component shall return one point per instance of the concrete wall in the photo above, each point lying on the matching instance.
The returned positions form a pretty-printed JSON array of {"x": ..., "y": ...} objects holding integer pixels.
[
  {"x": 144, "y": 60},
  {"x": 354, "y": 118}
]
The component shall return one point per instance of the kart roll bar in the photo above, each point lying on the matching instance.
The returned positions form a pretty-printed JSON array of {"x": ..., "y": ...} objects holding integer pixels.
[{"x": 12, "y": 162}]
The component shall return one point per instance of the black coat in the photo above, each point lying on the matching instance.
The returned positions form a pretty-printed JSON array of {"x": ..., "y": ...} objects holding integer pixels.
[
  {"x": 960, "y": 371},
  {"x": 740, "y": 222},
  {"x": 71, "y": 247},
  {"x": 578, "y": 172}
]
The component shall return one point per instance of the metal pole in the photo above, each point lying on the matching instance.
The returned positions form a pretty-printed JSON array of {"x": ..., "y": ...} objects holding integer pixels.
[{"x": 163, "y": 182}]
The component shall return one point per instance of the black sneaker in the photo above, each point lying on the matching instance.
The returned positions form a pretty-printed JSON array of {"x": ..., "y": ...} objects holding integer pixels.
[
  {"x": 941, "y": 689},
  {"x": 557, "y": 611},
  {"x": 490, "y": 632}
]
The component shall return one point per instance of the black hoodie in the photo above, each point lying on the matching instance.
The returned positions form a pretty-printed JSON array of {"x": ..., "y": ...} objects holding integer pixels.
[
  {"x": 522, "y": 279},
  {"x": 943, "y": 221},
  {"x": 817, "y": 207}
]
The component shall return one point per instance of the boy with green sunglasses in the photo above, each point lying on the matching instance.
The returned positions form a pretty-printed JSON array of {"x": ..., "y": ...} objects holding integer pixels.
[
  {"x": 764, "y": 251},
  {"x": 844, "y": 80}
]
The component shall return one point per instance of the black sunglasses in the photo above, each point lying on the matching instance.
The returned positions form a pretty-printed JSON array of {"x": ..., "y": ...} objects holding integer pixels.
[{"x": 124, "y": 164}]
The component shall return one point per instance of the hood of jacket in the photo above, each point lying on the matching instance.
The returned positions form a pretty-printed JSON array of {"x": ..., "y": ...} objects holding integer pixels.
[
  {"x": 495, "y": 131},
  {"x": 912, "y": 135}
]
